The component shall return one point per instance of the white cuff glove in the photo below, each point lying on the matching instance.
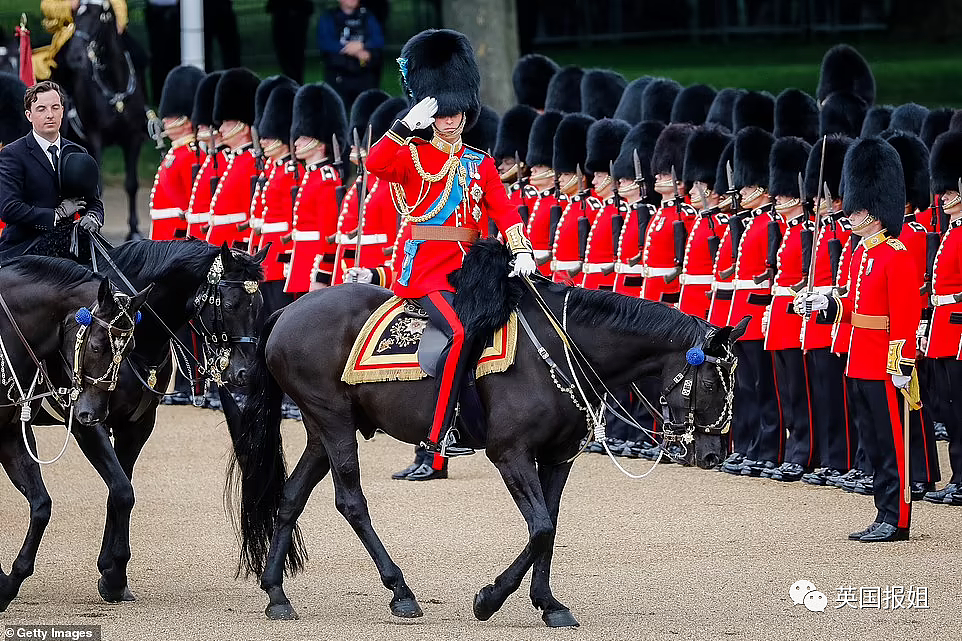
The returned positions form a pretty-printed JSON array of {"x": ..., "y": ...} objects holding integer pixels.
[
  {"x": 900, "y": 381},
  {"x": 524, "y": 265},
  {"x": 806, "y": 303},
  {"x": 358, "y": 275},
  {"x": 421, "y": 115}
]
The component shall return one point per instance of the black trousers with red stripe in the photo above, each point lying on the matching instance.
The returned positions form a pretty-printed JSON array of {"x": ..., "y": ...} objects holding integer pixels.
[
  {"x": 792, "y": 387},
  {"x": 946, "y": 385},
  {"x": 923, "y": 452},
  {"x": 878, "y": 411},
  {"x": 834, "y": 433},
  {"x": 756, "y": 398}
]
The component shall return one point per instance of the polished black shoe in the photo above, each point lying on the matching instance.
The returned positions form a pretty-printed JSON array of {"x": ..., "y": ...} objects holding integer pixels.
[
  {"x": 419, "y": 459},
  {"x": 633, "y": 449},
  {"x": 886, "y": 532},
  {"x": 595, "y": 447},
  {"x": 290, "y": 411},
  {"x": 954, "y": 498},
  {"x": 733, "y": 464},
  {"x": 177, "y": 398},
  {"x": 427, "y": 473},
  {"x": 857, "y": 536},
  {"x": 787, "y": 472},
  {"x": 865, "y": 486},
  {"x": 941, "y": 433},
  {"x": 919, "y": 490},
  {"x": 851, "y": 475},
  {"x": 939, "y": 496},
  {"x": 820, "y": 476},
  {"x": 755, "y": 468}
]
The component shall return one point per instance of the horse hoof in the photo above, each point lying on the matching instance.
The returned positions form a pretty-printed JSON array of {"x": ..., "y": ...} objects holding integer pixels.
[
  {"x": 483, "y": 611},
  {"x": 560, "y": 619},
  {"x": 281, "y": 612},
  {"x": 114, "y": 596},
  {"x": 406, "y": 608}
]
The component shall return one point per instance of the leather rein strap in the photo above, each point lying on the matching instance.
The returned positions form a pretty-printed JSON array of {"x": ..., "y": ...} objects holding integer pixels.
[{"x": 23, "y": 339}]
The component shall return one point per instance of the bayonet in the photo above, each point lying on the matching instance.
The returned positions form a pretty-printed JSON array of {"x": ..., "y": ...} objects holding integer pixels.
[
  {"x": 674, "y": 184},
  {"x": 517, "y": 170},
  {"x": 614, "y": 186},
  {"x": 639, "y": 175},
  {"x": 361, "y": 205},
  {"x": 810, "y": 286}
]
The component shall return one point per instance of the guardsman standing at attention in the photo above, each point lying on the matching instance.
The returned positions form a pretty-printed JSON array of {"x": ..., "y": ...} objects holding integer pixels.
[
  {"x": 540, "y": 162},
  {"x": 170, "y": 194},
  {"x": 234, "y": 115},
  {"x": 570, "y": 153},
  {"x": 882, "y": 306},
  {"x": 214, "y": 157},
  {"x": 510, "y": 150}
]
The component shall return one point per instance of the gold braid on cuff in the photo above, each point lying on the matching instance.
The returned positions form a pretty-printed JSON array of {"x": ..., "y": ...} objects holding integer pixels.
[{"x": 517, "y": 241}]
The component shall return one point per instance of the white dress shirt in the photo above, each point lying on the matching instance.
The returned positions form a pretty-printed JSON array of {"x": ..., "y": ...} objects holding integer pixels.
[{"x": 45, "y": 145}]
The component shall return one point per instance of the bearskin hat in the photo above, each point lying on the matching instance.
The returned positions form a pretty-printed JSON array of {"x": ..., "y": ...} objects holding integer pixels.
[
  {"x": 785, "y": 164},
  {"x": 318, "y": 113},
  {"x": 203, "y": 113},
  {"x": 692, "y": 104},
  {"x": 753, "y": 146},
  {"x": 541, "y": 139},
  {"x": 720, "y": 112},
  {"x": 79, "y": 176},
  {"x": 670, "y": 149},
  {"x": 835, "y": 147},
  {"x": 484, "y": 134},
  {"x": 13, "y": 124},
  {"x": 956, "y": 123},
  {"x": 278, "y": 115},
  {"x": 873, "y": 179},
  {"x": 571, "y": 143},
  {"x": 844, "y": 69},
  {"x": 842, "y": 113},
  {"x": 440, "y": 63},
  {"x": 641, "y": 138},
  {"x": 601, "y": 91},
  {"x": 796, "y": 114},
  {"x": 914, "y": 156},
  {"x": 513, "y": 131},
  {"x": 754, "y": 109},
  {"x": 629, "y": 107},
  {"x": 604, "y": 144},
  {"x": 362, "y": 109},
  {"x": 945, "y": 163},
  {"x": 658, "y": 99},
  {"x": 564, "y": 90},
  {"x": 908, "y": 117},
  {"x": 876, "y": 120},
  {"x": 935, "y": 124},
  {"x": 721, "y": 174},
  {"x": 531, "y": 77},
  {"x": 180, "y": 87},
  {"x": 382, "y": 118},
  {"x": 705, "y": 147},
  {"x": 263, "y": 92},
  {"x": 234, "y": 96}
]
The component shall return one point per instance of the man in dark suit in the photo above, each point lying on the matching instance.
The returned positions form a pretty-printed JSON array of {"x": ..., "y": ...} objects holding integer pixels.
[{"x": 32, "y": 203}]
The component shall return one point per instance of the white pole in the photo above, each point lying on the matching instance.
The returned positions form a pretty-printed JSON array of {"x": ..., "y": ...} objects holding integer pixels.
[{"x": 192, "y": 32}]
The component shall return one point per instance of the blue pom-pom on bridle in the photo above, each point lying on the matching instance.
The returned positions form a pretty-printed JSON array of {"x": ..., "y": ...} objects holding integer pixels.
[
  {"x": 695, "y": 356},
  {"x": 84, "y": 317},
  {"x": 137, "y": 317}
]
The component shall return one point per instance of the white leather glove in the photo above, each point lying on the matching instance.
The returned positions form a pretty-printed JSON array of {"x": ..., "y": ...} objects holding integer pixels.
[
  {"x": 524, "y": 265},
  {"x": 91, "y": 223},
  {"x": 358, "y": 275},
  {"x": 421, "y": 115},
  {"x": 805, "y": 303},
  {"x": 900, "y": 381},
  {"x": 68, "y": 207}
]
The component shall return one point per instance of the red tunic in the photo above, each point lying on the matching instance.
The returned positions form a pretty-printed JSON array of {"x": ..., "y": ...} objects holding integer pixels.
[
  {"x": 913, "y": 237},
  {"x": 278, "y": 211},
  {"x": 346, "y": 222},
  {"x": 565, "y": 250},
  {"x": 170, "y": 195},
  {"x": 426, "y": 263},
  {"x": 723, "y": 283},
  {"x": 818, "y": 335},
  {"x": 751, "y": 298},
  {"x": 198, "y": 208},
  {"x": 696, "y": 276},
  {"x": 784, "y": 325},
  {"x": 945, "y": 332},
  {"x": 886, "y": 287},
  {"x": 842, "y": 332},
  {"x": 377, "y": 237},
  {"x": 231, "y": 203},
  {"x": 539, "y": 228},
  {"x": 600, "y": 249},
  {"x": 314, "y": 221},
  {"x": 628, "y": 267},
  {"x": 256, "y": 216},
  {"x": 658, "y": 256}
]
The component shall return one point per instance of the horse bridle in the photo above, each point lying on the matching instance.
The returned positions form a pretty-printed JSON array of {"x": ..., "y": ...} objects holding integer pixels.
[
  {"x": 217, "y": 342},
  {"x": 116, "y": 99},
  {"x": 120, "y": 340}
]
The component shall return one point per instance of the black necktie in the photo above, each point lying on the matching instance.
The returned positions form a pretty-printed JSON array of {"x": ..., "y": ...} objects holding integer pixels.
[{"x": 52, "y": 149}]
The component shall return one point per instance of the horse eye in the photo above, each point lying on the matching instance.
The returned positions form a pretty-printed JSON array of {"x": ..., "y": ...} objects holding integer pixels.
[{"x": 709, "y": 385}]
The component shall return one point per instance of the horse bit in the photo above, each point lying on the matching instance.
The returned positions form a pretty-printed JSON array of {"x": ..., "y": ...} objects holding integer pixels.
[{"x": 120, "y": 339}]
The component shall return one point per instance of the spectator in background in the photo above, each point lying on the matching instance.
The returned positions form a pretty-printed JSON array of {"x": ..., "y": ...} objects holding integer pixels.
[
  {"x": 220, "y": 22},
  {"x": 351, "y": 42},
  {"x": 289, "y": 20},
  {"x": 163, "y": 37}
]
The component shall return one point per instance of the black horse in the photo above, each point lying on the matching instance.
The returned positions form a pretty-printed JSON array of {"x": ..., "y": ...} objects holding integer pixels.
[
  {"x": 70, "y": 317},
  {"x": 534, "y": 428},
  {"x": 216, "y": 290},
  {"x": 96, "y": 71}
]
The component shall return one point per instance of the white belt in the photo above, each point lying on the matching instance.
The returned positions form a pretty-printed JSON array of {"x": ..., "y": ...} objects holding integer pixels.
[
  {"x": 305, "y": 235},
  {"x": 561, "y": 265},
  {"x": 650, "y": 272},
  {"x": 226, "y": 219},
  {"x": 597, "y": 268},
  {"x": 195, "y": 219},
  {"x": 164, "y": 214},
  {"x": 256, "y": 223},
  {"x": 542, "y": 254},
  {"x": 751, "y": 284},
  {"x": 782, "y": 290},
  {"x": 625, "y": 268},
  {"x": 696, "y": 279},
  {"x": 722, "y": 285},
  {"x": 366, "y": 239},
  {"x": 828, "y": 290},
  {"x": 946, "y": 299},
  {"x": 275, "y": 228}
]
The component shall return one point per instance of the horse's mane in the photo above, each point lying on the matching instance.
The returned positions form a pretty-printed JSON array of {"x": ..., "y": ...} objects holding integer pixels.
[
  {"x": 152, "y": 260},
  {"x": 634, "y": 316},
  {"x": 59, "y": 273}
]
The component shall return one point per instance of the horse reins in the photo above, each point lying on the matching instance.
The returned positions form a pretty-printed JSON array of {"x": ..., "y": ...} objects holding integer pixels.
[{"x": 116, "y": 99}]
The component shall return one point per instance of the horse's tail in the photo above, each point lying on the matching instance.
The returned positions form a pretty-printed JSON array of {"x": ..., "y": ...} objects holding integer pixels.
[{"x": 256, "y": 471}]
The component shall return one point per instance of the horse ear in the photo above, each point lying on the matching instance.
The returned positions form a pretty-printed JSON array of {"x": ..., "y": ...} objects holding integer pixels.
[
  {"x": 262, "y": 254},
  {"x": 105, "y": 295},
  {"x": 225, "y": 255},
  {"x": 718, "y": 339},
  {"x": 739, "y": 329}
]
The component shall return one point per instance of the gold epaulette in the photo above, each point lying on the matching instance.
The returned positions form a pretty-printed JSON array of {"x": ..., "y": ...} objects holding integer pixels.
[{"x": 896, "y": 244}]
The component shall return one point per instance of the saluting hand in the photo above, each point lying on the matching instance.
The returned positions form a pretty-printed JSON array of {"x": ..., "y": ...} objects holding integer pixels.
[{"x": 421, "y": 115}]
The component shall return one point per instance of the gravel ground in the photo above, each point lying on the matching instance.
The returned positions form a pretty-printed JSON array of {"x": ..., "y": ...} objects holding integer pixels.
[{"x": 685, "y": 554}]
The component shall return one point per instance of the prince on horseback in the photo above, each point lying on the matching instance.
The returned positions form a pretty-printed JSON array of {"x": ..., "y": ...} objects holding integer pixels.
[{"x": 441, "y": 188}]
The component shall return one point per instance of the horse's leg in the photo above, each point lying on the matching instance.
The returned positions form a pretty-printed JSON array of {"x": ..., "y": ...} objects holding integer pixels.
[
  {"x": 350, "y": 502},
  {"x": 521, "y": 478},
  {"x": 115, "y": 551},
  {"x": 556, "y": 614},
  {"x": 131, "y": 149},
  {"x": 25, "y": 475},
  {"x": 310, "y": 469}
]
